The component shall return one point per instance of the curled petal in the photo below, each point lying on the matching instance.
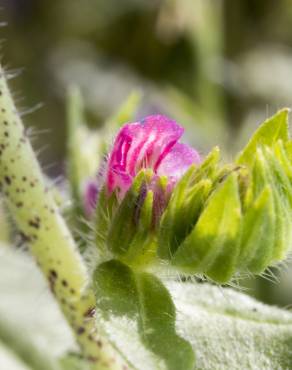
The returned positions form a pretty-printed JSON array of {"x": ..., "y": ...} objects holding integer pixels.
[
  {"x": 138, "y": 145},
  {"x": 178, "y": 160}
]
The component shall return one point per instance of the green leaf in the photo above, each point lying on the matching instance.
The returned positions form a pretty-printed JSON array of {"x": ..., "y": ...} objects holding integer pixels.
[
  {"x": 8, "y": 360},
  {"x": 267, "y": 134},
  {"x": 211, "y": 246},
  {"x": 31, "y": 325},
  {"x": 143, "y": 299},
  {"x": 25, "y": 350},
  {"x": 157, "y": 324},
  {"x": 230, "y": 330},
  {"x": 227, "y": 329}
]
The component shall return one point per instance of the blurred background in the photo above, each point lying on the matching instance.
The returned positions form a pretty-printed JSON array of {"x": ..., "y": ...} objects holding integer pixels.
[{"x": 218, "y": 67}]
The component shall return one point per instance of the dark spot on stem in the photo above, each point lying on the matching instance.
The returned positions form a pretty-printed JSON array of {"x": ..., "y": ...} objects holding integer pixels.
[
  {"x": 53, "y": 273},
  {"x": 80, "y": 330},
  {"x": 7, "y": 180},
  {"x": 90, "y": 312},
  {"x": 64, "y": 282}
]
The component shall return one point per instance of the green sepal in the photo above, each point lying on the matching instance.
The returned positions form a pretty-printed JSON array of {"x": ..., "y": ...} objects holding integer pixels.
[
  {"x": 187, "y": 198},
  {"x": 180, "y": 216},
  {"x": 207, "y": 169},
  {"x": 256, "y": 235},
  {"x": 211, "y": 246},
  {"x": 282, "y": 190},
  {"x": 105, "y": 209},
  {"x": 282, "y": 155},
  {"x": 124, "y": 224},
  {"x": 142, "y": 298},
  {"x": 142, "y": 248},
  {"x": 161, "y": 196},
  {"x": 267, "y": 134},
  {"x": 288, "y": 149}
]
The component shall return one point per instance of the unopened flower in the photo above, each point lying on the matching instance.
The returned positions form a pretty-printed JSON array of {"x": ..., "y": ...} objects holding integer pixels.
[{"x": 150, "y": 143}]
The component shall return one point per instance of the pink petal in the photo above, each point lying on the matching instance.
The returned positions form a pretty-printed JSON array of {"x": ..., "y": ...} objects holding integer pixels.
[
  {"x": 178, "y": 160},
  {"x": 140, "y": 145}
]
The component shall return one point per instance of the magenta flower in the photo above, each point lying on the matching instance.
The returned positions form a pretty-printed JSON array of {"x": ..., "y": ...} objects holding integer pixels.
[{"x": 150, "y": 143}]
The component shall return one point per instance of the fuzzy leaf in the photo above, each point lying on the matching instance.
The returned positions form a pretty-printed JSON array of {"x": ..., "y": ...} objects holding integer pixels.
[
  {"x": 268, "y": 133},
  {"x": 31, "y": 325},
  {"x": 227, "y": 330},
  {"x": 146, "y": 303},
  {"x": 230, "y": 330}
]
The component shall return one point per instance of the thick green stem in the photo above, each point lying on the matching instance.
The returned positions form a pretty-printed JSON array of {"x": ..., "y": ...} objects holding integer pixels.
[{"x": 35, "y": 212}]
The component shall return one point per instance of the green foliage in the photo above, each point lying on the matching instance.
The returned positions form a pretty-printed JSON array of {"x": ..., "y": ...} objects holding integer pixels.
[
  {"x": 122, "y": 291},
  {"x": 220, "y": 221},
  {"x": 227, "y": 330},
  {"x": 24, "y": 350}
]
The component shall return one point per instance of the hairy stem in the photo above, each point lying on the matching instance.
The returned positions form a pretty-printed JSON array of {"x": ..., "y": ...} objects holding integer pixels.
[{"x": 35, "y": 212}]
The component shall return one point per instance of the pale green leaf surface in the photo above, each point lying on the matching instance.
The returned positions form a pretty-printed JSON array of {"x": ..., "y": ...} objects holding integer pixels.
[
  {"x": 9, "y": 361},
  {"x": 227, "y": 329},
  {"x": 143, "y": 300},
  {"x": 230, "y": 330},
  {"x": 30, "y": 321}
]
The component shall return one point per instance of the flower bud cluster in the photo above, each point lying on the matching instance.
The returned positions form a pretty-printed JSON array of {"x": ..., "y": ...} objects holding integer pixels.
[{"x": 161, "y": 202}]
